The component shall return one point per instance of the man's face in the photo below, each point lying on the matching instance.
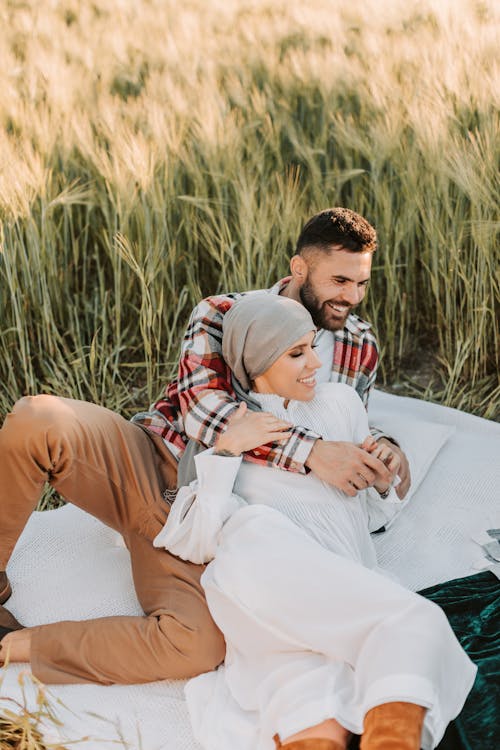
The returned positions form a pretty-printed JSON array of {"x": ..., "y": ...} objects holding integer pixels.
[{"x": 334, "y": 283}]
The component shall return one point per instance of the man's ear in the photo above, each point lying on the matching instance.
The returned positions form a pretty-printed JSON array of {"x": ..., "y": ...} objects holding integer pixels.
[{"x": 298, "y": 269}]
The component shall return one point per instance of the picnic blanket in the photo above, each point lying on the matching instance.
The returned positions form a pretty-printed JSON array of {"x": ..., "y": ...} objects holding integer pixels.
[{"x": 67, "y": 565}]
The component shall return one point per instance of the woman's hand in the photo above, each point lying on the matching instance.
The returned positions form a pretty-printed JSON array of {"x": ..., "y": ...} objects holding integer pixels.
[
  {"x": 404, "y": 468},
  {"x": 247, "y": 430},
  {"x": 389, "y": 457}
]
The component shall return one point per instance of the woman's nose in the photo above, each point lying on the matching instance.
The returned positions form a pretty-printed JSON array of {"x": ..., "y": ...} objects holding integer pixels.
[{"x": 313, "y": 361}]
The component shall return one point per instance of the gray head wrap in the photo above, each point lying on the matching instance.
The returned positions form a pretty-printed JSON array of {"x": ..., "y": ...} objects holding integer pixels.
[{"x": 256, "y": 331}]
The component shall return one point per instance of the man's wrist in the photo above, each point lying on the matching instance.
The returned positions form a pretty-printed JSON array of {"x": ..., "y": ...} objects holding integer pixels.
[
  {"x": 227, "y": 446},
  {"x": 225, "y": 452}
]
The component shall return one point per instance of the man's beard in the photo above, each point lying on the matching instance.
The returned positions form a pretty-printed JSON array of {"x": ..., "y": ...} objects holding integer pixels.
[{"x": 318, "y": 311}]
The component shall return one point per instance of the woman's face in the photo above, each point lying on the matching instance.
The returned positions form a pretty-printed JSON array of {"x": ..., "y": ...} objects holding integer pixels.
[{"x": 292, "y": 375}]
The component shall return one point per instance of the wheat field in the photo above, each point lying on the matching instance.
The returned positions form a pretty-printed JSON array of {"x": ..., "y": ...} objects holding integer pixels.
[{"x": 154, "y": 152}]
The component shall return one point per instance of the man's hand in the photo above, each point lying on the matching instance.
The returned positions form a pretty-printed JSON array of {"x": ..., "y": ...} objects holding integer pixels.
[
  {"x": 404, "y": 468},
  {"x": 346, "y": 466},
  {"x": 247, "y": 430}
]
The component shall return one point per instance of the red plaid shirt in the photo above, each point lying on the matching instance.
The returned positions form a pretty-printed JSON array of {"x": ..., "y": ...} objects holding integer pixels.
[{"x": 197, "y": 405}]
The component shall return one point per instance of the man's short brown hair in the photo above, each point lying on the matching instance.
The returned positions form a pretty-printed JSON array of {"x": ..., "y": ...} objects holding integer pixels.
[{"x": 339, "y": 227}]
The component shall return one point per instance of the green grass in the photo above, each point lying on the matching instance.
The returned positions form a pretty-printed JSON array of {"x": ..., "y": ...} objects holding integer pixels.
[{"x": 154, "y": 152}]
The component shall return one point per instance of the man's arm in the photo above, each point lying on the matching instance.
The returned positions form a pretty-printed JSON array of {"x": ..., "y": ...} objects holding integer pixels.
[
  {"x": 207, "y": 403},
  {"x": 345, "y": 465},
  {"x": 206, "y": 396}
]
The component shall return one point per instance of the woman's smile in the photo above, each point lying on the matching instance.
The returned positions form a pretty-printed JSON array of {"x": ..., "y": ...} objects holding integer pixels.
[
  {"x": 310, "y": 381},
  {"x": 293, "y": 375}
]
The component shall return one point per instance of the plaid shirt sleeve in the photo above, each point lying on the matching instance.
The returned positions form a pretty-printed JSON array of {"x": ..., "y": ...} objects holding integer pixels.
[
  {"x": 368, "y": 374},
  {"x": 206, "y": 396},
  {"x": 368, "y": 367},
  {"x": 371, "y": 364}
]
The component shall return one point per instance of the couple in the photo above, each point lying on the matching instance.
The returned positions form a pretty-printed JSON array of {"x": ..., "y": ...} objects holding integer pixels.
[
  {"x": 119, "y": 471},
  {"x": 319, "y": 642}
]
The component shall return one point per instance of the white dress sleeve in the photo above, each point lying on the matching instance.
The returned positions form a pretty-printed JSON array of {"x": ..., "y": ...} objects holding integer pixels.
[
  {"x": 381, "y": 510},
  {"x": 200, "y": 510}
]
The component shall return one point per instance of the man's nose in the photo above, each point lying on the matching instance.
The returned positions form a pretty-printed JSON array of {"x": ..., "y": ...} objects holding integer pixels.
[{"x": 353, "y": 294}]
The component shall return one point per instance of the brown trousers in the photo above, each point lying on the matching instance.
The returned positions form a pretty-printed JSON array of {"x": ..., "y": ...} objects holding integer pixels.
[{"x": 117, "y": 471}]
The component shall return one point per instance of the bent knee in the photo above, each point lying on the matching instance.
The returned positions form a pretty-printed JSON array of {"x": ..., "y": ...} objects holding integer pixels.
[
  {"x": 209, "y": 649},
  {"x": 433, "y": 616},
  {"x": 428, "y": 618},
  {"x": 40, "y": 410},
  {"x": 192, "y": 649},
  {"x": 31, "y": 422}
]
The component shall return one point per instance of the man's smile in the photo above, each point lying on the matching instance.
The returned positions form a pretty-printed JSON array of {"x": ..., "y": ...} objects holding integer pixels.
[{"x": 339, "y": 309}]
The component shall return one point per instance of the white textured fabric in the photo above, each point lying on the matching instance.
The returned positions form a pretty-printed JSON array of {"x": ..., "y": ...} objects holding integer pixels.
[
  {"x": 421, "y": 443},
  {"x": 431, "y": 541},
  {"x": 325, "y": 345},
  {"x": 338, "y": 522},
  {"x": 66, "y": 565},
  {"x": 313, "y": 635},
  {"x": 311, "y": 632}
]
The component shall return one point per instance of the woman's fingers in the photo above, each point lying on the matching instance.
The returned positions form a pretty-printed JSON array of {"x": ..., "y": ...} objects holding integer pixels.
[
  {"x": 384, "y": 454},
  {"x": 394, "y": 464},
  {"x": 369, "y": 443}
]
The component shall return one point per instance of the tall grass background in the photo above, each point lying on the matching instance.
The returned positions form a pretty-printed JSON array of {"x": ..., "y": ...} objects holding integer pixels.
[{"x": 154, "y": 152}]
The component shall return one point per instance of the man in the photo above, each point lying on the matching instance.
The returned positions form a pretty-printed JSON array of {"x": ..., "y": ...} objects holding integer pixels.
[
  {"x": 119, "y": 471},
  {"x": 329, "y": 276}
]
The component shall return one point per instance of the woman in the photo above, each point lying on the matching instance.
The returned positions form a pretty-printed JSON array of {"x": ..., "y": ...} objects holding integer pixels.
[{"x": 318, "y": 644}]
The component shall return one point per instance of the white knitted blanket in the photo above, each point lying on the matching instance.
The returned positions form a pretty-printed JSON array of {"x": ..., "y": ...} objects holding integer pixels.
[{"x": 67, "y": 565}]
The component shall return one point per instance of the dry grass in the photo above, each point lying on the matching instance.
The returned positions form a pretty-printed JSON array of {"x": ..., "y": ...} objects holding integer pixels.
[
  {"x": 23, "y": 729},
  {"x": 18, "y": 731},
  {"x": 153, "y": 152}
]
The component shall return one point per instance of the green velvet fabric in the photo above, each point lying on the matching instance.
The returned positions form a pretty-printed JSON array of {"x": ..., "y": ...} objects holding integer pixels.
[{"x": 472, "y": 605}]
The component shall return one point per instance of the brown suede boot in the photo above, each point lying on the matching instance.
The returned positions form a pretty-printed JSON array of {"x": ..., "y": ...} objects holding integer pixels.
[
  {"x": 5, "y": 589},
  {"x": 313, "y": 743},
  {"x": 393, "y": 726},
  {"x": 8, "y": 622}
]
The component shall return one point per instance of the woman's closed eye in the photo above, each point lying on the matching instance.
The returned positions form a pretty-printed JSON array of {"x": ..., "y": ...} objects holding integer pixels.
[{"x": 300, "y": 352}]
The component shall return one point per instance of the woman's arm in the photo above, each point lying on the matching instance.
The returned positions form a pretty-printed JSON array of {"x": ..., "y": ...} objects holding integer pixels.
[{"x": 200, "y": 510}]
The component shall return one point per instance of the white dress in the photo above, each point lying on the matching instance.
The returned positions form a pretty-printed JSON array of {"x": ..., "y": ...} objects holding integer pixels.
[
  {"x": 312, "y": 632},
  {"x": 337, "y": 521}
]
